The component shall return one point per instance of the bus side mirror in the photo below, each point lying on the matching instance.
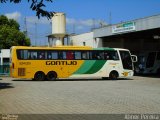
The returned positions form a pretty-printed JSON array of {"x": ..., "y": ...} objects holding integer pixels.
[{"x": 134, "y": 58}]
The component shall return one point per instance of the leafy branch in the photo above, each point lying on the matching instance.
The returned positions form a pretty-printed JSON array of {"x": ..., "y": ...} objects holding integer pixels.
[{"x": 36, "y": 5}]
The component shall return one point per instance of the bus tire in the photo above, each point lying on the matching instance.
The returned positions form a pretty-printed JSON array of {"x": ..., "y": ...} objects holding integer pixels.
[
  {"x": 113, "y": 75},
  {"x": 39, "y": 76},
  {"x": 51, "y": 75}
]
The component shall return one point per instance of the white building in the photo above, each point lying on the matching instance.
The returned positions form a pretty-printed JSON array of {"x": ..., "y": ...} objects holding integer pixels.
[
  {"x": 85, "y": 39},
  {"x": 136, "y": 35},
  {"x": 4, "y": 56}
]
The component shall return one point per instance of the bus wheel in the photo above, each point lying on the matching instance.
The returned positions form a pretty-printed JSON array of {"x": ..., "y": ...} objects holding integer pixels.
[
  {"x": 51, "y": 75},
  {"x": 113, "y": 75},
  {"x": 39, "y": 76}
]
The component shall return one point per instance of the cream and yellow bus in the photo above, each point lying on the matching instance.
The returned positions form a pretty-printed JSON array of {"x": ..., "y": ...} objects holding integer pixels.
[{"x": 50, "y": 63}]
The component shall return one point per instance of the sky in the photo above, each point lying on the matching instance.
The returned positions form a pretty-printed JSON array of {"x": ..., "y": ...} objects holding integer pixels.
[{"x": 81, "y": 15}]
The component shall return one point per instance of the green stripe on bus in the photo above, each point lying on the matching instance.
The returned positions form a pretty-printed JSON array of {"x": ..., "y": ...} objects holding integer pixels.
[
  {"x": 90, "y": 67},
  {"x": 96, "y": 67},
  {"x": 85, "y": 67},
  {"x": 104, "y": 48}
]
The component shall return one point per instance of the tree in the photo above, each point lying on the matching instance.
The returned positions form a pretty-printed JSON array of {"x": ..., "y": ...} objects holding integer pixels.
[
  {"x": 10, "y": 35},
  {"x": 36, "y": 5}
]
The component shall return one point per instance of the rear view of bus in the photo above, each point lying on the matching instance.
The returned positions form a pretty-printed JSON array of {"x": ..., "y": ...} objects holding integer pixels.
[{"x": 13, "y": 61}]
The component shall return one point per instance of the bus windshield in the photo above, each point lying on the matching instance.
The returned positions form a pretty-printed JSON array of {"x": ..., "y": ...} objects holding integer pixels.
[{"x": 126, "y": 60}]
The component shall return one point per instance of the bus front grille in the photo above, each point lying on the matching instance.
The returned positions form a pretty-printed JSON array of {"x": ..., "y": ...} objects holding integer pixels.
[{"x": 21, "y": 71}]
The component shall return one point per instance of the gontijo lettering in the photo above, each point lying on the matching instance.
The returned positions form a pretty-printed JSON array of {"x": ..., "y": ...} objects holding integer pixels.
[{"x": 61, "y": 62}]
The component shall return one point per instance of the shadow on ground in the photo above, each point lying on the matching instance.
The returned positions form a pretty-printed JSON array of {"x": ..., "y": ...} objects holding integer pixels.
[
  {"x": 148, "y": 75},
  {"x": 5, "y": 85},
  {"x": 75, "y": 79}
]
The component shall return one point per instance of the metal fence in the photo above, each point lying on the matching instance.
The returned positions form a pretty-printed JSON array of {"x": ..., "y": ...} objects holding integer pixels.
[{"x": 4, "y": 69}]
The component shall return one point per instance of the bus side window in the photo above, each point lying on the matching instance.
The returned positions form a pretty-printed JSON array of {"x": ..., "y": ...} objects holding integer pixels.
[
  {"x": 69, "y": 55},
  {"x": 62, "y": 55},
  {"x": 115, "y": 55},
  {"x": 107, "y": 55},
  {"x": 111, "y": 55},
  {"x": 32, "y": 55},
  {"x": 22, "y": 54},
  {"x": 95, "y": 55},
  {"x": 85, "y": 55},
  {"x": 77, "y": 55},
  {"x": 25, "y": 54},
  {"x": 101, "y": 54},
  {"x": 19, "y": 55},
  {"x": 41, "y": 55},
  {"x": 54, "y": 55},
  {"x": 49, "y": 55}
]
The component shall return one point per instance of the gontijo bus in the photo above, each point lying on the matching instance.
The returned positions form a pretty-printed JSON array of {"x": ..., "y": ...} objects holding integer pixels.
[{"x": 42, "y": 63}]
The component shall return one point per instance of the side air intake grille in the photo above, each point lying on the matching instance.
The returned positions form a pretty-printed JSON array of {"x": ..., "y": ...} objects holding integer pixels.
[{"x": 21, "y": 71}]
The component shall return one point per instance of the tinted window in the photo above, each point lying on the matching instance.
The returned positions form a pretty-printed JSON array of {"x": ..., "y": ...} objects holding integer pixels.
[
  {"x": 23, "y": 54},
  {"x": 111, "y": 55},
  {"x": 151, "y": 59},
  {"x": 54, "y": 54},
  {"x": 33, "y": 55},
  {"x": 77, "y": 55},
  {"x": 158, "y": 55},
  {"x": 126, "y": 60},
  {"x": 67, "y": 55},
  {"x": 41, "y": 55},
  {"x": 85, "y": 54},
  {"x": 51, "y": 55},
  {"x": 96, "y": 55}
]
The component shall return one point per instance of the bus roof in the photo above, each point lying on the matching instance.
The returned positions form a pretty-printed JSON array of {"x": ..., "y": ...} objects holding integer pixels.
[
  {"x": 55, "y": 47},
  {"x": 66, "y": 48}
]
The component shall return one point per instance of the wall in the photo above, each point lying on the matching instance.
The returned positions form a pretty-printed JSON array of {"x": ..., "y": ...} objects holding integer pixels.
[
  {"x": 85, "y": 39},
  {"x": 144, "y": 35},
  {"x": 5, "y": 53},
  {"x": 146, "y": 23}
]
